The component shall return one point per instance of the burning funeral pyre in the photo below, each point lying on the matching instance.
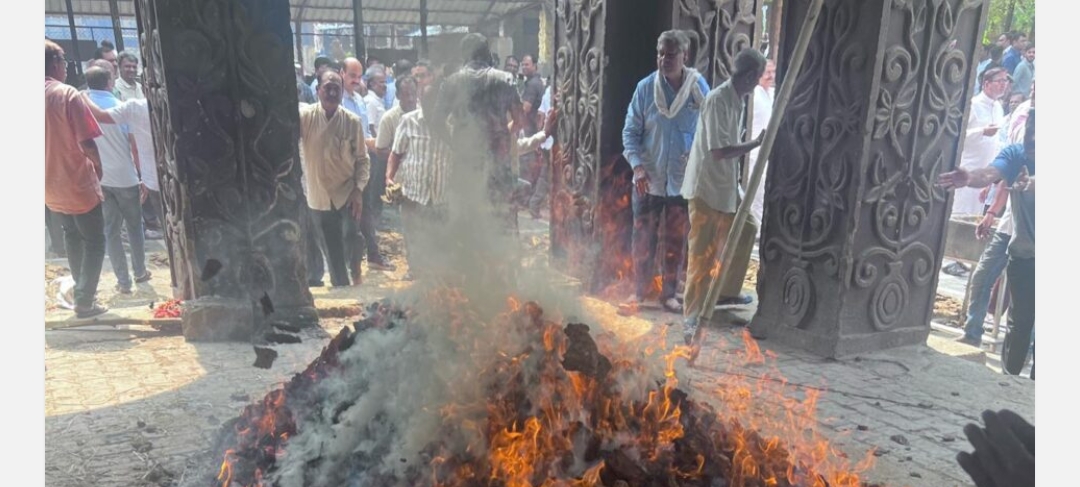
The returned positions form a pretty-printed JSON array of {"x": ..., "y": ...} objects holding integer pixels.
[{"x": 403, "y": 401}]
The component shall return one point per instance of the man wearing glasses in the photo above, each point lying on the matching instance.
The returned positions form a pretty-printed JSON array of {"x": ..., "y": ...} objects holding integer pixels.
[{"x": 981, "y": 145}]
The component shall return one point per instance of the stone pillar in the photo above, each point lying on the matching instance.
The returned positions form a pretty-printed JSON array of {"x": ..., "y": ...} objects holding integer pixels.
[
  {"x": 223, "y": 104},
  {"x": 854, "y": 226}
]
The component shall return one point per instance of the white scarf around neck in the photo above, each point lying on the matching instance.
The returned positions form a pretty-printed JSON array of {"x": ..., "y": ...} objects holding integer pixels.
[{"x": 689, "y": 88}]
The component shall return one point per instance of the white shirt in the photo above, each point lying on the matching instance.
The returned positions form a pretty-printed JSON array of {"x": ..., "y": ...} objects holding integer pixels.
[
  {"x": 376, "y": 107},
  {"x": 979, "y": 150},
  {"x": 763, "y": 108},
  {"x": 716, "y": 182},
  {"x": 545, "y": 107},
  {"x": 129, "y": 92},
  {"x": 136, "y": 115},
  {"x": 117, "y": 166}
]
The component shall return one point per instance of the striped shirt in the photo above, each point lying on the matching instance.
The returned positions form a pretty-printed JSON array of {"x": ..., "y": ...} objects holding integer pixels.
[{"x": 424, "y": 166}]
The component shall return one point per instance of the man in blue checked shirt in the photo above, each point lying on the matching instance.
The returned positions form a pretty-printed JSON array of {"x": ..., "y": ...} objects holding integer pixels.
[{"x": 657, "y": 137}]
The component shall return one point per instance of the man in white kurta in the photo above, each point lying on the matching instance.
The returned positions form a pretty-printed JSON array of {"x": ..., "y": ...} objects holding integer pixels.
[{"x": 981, "y": 144}]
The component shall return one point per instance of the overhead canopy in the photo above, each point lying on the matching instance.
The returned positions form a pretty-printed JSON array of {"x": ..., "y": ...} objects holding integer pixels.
[{"x": 440, "y": 12}]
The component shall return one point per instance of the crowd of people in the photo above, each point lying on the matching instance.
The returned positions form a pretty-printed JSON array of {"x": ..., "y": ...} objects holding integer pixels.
[
  {"x": 390, "y": 133},
  {"x": 365, "y": 136},
  {"x": 101, "y": 185},
  {"x": 996, "y": 184}
]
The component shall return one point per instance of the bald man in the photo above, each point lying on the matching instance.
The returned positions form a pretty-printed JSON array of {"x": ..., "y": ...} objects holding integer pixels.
[
  {"x": 353, "y": 100},
  {"x": 352, "y": 75}
]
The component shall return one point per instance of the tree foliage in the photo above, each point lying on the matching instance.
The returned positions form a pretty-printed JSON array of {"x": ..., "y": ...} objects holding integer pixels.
[{"x": 998, "y": 21}]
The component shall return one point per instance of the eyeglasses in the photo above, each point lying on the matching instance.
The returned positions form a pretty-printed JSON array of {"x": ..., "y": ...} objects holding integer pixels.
[{"x": 1001, "y": 80}]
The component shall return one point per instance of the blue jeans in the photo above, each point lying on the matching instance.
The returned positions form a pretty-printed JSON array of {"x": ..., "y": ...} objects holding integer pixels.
[
  {"x": 991, "y": 264},
  {"x": 122, "y": 208}
]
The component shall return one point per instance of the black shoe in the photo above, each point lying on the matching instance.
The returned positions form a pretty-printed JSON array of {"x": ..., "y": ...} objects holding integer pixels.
[
  {"x": 312, "y": 283},
  {"x": 740, "y": 300},
  {"x": 975, "y": 342},
  {"x": 380, "y": 265},
  {"x": 90, "y": 312},
  {"x": 956, "y": 269}
]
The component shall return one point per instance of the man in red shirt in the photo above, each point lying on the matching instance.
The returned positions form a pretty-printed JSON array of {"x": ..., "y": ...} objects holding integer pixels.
[{"x": 72, "y": 179}]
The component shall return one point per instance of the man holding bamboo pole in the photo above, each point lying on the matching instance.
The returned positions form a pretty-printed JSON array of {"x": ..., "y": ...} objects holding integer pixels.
[{"x": 712, "y": 188}]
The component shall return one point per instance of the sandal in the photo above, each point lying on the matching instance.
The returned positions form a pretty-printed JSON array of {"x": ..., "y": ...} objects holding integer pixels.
[{"x": 146, "y": 277}]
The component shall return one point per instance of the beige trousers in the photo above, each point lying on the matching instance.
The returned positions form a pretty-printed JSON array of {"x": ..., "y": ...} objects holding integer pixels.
[{"x": 709, "y": 231}]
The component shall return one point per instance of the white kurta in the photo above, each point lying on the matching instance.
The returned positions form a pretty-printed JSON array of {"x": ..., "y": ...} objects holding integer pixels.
[
  {"x": 763, "y": 108},
  {"x": 979, "y": 150}
]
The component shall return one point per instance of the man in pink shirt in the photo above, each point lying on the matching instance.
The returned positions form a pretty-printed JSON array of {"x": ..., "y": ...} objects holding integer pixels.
[{"x": 72, "y": 179}]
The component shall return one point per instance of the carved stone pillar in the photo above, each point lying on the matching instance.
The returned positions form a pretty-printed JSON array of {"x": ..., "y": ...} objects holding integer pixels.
[
  {"x": 722, "y": 29},
  {"x": 222, "y": 95},
  {"x": 854, "y": 226}
]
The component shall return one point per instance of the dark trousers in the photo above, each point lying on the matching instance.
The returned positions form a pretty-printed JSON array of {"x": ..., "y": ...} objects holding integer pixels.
[
  {"x": 1021, "y": 274},
  {"x": 340, "y": 231},
  {"x": 542, "y": 185},
  {"x": 153, "y": 216},
  {"x": 314, "y": 245},
  {"x": 649, "y": 213},
  {"x": 84, "y": 236},
  {"x": 56, "y": 233},
  {"x": 373, "y": 205},
  {"x": 421, "y": 246},
  {"x": 123, "y": 209}
]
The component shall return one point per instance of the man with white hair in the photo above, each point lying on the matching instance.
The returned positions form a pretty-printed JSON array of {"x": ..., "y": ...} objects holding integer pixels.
[
  {"x": 714, "y": 194},
  {"x": 981, "y": 145},
  {"x": 657, "y": 136},
  {"x": 375, "y": 78}
]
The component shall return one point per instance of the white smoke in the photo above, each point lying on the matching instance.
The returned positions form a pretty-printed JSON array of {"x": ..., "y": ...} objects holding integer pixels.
[{"x": 388, "y": 403}]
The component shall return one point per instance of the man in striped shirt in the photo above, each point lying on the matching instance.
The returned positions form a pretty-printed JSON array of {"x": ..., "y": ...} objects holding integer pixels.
[{"x": 419, "y": 161}]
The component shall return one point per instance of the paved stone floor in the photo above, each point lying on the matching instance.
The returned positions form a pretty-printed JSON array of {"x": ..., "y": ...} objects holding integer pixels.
[{"x": 134, "y": 406}]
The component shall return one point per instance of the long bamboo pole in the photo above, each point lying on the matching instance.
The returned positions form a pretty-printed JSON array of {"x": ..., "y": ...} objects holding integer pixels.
[{"x": 792, "y": 73}]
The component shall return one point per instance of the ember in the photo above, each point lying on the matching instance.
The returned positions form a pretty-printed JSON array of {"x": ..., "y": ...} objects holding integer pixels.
[{"x": 384, "y": 406}]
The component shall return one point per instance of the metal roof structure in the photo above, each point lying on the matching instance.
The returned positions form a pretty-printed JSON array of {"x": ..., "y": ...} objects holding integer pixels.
[{"x": 440, "y": 12}]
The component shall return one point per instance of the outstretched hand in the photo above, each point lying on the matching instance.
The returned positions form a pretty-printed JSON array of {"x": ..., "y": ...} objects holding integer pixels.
[
  {"x": 954, "y": 179},
  {"x": 1004, "y": 453}
]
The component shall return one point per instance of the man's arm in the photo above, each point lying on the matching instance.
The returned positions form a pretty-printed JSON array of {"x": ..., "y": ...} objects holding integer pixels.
[
  {"x": 89, "y": 147},
  {"x": 102, "y": 116},
  {"x": 979, "y": 178},
  {"x": 634, "y": 130},
  {"x": 392, "y": 167},
  {"x": 361, "y": 175},
  {"x": 737, "y": 150},
  {"x": 517, "y": 114}
]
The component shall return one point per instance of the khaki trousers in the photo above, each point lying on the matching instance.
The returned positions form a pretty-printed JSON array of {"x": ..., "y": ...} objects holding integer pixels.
[{"x": 709, "y": 231}]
